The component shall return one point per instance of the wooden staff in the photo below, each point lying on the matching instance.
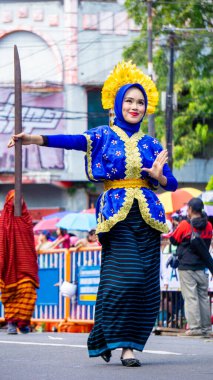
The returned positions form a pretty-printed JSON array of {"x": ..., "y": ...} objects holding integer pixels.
[{"x": 18, "y": 129}]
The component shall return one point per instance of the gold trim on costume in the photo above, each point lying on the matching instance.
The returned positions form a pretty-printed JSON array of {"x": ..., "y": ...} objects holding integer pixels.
[
  {"x": 144, "y": 209},
  {"x": 134, "y": 162},
  {"x": 106, "y": 225},
  {"x": 89, "y": 157},
  {"x": 126, "y": 183}
]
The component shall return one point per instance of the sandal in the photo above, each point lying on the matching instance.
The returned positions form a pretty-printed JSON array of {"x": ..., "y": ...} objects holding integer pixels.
[{"x": 132, "y": 362}]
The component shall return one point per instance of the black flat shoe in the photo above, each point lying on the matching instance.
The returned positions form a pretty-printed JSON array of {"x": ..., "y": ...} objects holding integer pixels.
[
  {"x": 106, "y": 356},
  {"x": 132, "y": 362}
]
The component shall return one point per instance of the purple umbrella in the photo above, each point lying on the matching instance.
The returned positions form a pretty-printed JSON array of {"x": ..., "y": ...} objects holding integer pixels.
[{"x": 59, "y": 214}]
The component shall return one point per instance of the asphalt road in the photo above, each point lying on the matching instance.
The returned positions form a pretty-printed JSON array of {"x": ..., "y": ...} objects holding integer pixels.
[{"x": 54, "y": 356}]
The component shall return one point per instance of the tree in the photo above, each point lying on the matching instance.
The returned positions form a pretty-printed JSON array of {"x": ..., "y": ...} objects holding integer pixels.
[
  {"x": 210, "y": 184},
  {"x": 193, "y": 83}
]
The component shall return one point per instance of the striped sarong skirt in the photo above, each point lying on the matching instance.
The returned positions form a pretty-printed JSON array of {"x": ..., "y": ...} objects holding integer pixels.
[
  {"x": 19, "y": 303},
  {"x": 129, "y": 291}
]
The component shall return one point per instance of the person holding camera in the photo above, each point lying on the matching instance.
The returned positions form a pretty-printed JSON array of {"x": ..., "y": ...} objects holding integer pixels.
[{"x": 194, "y": 259}]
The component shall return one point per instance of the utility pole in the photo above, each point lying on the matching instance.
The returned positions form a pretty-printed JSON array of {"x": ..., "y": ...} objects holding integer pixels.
[
  {"x": 151, "y": 124},
  {"x": 169, "y": 100}
]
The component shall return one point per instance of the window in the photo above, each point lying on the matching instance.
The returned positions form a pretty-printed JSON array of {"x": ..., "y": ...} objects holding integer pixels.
[{"x": 96, "y": 114}]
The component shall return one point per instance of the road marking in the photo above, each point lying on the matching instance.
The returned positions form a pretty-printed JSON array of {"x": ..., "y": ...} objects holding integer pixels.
[
  {"x": 54, "y": 337},
  {"x": 81, "y": 346},
  {"x": 43, "y": 344},
  {"x": 161, "y": 352}
]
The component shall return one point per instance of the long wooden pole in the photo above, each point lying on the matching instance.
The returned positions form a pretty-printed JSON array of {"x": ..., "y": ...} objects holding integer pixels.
[
  {"x": 169, "y": 103},
  {"x": 18, "y": 129}
]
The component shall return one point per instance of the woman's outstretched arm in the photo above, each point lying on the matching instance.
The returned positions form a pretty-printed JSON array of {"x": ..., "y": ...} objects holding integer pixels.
[{"x": 77, "y": 142}]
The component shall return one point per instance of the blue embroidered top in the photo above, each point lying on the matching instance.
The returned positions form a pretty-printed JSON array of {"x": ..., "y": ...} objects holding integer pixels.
[
  {"x": 120, "y": 153},
  {"x": 113, "y": 155}
]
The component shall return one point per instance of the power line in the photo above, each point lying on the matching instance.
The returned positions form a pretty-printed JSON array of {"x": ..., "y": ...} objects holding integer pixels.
[
  {"x": 82, "y": 30},
  {"x": 97, "y": 40},
  {"x": 106, "y": 54},
  {"x": 60, "y": 109},
  {"x": 100, "y": 39},
  {"x": 46, "y": 72},
  {"x": 53, "y": 44}
]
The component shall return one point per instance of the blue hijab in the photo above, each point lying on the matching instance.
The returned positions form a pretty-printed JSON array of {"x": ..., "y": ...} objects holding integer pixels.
[{"x": 119, "y": 119}]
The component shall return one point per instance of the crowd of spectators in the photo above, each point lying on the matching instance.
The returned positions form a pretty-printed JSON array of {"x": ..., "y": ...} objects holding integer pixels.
[{"x": 63, "y": 239}]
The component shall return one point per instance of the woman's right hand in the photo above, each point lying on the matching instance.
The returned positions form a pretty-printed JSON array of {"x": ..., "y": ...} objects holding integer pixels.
[{"x": 25, "y": 139}]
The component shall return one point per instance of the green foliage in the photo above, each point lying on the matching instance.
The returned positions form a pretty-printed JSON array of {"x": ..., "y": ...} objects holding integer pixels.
[
  {"x": 88, "y": 186},
  {"x": 190, "y": 144},
  {"x": 210, "y": 184},
  {"x": 193, "y": 69}
]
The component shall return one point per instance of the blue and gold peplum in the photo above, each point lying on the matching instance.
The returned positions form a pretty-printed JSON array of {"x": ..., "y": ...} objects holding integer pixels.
[{"x": 117, "y": 160}]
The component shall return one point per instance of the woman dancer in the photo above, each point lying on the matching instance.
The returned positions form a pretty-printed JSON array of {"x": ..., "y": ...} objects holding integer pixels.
[{"x": 130, "y": 217}]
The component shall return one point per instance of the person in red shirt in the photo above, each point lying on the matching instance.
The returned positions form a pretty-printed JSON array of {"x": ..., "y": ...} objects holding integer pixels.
[
  {"x": 192, "y": 268},
  {"x": 63, "y": 239}
]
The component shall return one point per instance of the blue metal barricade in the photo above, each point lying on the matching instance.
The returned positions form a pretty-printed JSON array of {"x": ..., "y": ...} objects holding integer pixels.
[
  {"x": 50, "y": 303},
  {"x": 81, "y": 259}
]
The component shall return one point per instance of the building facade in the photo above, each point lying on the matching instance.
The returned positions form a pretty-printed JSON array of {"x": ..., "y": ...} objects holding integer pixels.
[{"x": 66, "y": 50}]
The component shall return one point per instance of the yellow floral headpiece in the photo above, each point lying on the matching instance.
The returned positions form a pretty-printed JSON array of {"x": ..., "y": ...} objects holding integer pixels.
[{"x": 127, "y": 73}]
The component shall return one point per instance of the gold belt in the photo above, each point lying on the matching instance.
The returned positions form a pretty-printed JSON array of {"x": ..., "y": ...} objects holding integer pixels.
[{"x": 125, "y": 183}]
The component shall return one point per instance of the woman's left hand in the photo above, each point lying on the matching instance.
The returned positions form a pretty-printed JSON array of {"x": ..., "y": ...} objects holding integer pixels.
[{"x": 156, "y": 171}]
